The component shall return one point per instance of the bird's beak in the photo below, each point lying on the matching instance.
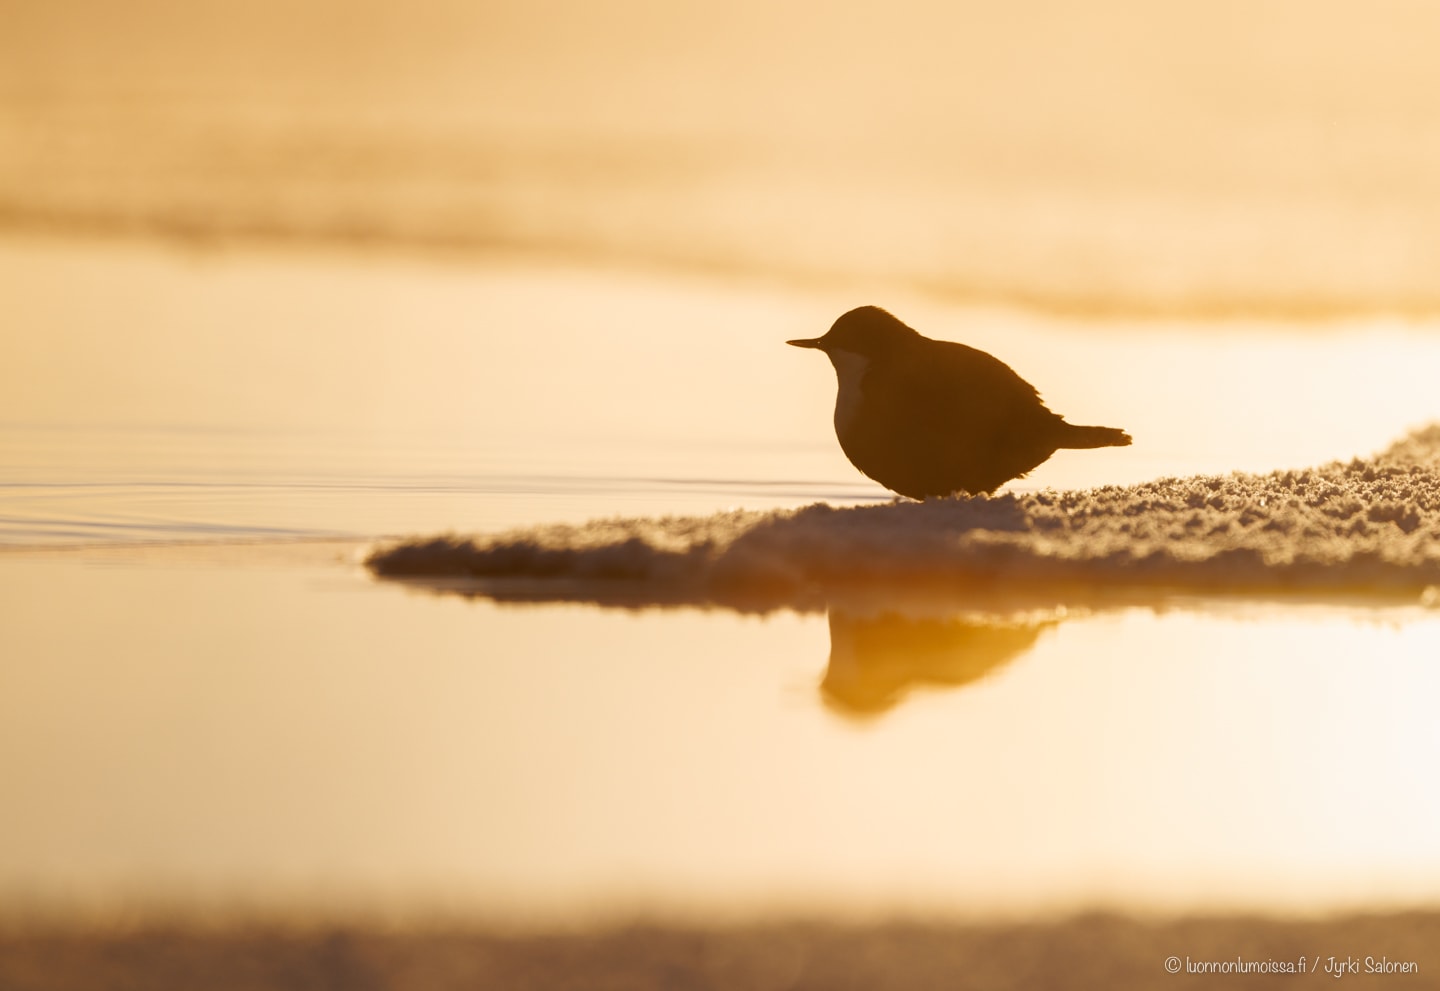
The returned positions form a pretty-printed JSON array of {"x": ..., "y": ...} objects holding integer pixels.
[{"x": 809, "y": 342}]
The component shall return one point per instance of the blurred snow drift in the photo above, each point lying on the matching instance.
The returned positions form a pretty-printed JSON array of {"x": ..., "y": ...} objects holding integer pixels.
[{"x": 1369, "y": 526}]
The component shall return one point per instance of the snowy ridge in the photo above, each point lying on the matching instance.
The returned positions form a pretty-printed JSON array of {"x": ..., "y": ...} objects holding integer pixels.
[{"x": 1368, "y": 525}]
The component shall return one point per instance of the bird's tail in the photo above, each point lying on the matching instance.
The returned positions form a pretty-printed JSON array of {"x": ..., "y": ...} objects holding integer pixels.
[{"x": 1075, "y": 437}]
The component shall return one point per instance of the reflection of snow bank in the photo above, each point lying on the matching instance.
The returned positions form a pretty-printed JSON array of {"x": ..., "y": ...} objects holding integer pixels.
[{"x": 1366, "y": 525}]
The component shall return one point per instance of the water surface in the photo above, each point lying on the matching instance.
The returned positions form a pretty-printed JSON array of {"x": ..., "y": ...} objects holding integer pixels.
[
  {"x": 155, "y": 394},
  {"x": 186, "y": 729},
  {"x": 202, "y": 725}
]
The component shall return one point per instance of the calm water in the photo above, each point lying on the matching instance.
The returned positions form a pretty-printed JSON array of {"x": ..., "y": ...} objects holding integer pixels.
[
  {"x": 150, "y": 394},
  {"x": 159, "y": 396},
  {"x": 285, "y": 735},
  {"x": 268, "y": 727}
]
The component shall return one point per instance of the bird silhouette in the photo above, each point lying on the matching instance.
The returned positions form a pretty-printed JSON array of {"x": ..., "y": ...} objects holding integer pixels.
[{"x": 928, "y": 418}]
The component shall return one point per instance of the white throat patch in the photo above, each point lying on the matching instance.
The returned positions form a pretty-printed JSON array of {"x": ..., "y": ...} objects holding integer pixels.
[{"x": 850, "y": 369}]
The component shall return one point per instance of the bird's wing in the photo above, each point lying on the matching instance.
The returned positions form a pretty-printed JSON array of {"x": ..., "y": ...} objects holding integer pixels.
[{"x": 964, "y": 389}]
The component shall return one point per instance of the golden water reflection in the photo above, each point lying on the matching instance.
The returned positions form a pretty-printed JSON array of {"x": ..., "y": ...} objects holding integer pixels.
[
  {"x": 876, "y": 660},
  {"x": 292, "y": 736}
]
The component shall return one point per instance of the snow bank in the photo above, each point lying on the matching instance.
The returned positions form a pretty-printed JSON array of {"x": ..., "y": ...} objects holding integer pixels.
[{"x": 1368, "y": 526}]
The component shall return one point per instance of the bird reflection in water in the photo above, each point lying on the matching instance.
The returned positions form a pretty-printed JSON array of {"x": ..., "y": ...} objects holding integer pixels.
[
  {"x": 881, "y": 647},
  {"x": 876, "y": 659}
]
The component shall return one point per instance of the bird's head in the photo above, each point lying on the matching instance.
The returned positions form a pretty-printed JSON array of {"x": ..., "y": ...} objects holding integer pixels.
[{"x": 867, "y": 331}]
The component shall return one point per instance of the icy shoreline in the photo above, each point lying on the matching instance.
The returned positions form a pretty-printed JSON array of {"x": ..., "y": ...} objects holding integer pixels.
[{"x": 1368, "y": 525}]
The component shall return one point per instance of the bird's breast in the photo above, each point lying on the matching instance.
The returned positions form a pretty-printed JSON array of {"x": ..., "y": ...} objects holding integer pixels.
[{"x": 850, "y": 371}]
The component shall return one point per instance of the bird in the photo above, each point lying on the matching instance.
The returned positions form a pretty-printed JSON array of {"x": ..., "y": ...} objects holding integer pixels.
[{"x": 932, "y": 419}]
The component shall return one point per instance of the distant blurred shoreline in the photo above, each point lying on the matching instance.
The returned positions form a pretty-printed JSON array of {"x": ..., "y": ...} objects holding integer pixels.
[
  {"x": 1084, "y": 951},
  {"x": 1112, "y": 159},
  {"x": 1243, "y": 241},
  {"x": 185, "y": 236}
]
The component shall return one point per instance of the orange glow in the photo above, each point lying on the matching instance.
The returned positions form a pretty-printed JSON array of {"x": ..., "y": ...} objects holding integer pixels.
[{"x": 280, "y": 280}]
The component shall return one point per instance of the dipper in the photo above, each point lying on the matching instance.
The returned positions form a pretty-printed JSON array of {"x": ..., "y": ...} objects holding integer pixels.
[{"x": 931, "y": 418}]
